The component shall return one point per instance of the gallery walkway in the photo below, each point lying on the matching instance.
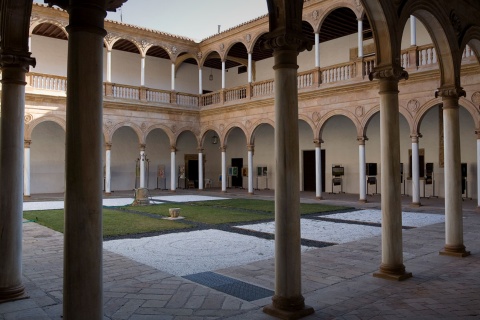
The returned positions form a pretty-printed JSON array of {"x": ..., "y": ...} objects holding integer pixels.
[{"x": 337, "y": 280}]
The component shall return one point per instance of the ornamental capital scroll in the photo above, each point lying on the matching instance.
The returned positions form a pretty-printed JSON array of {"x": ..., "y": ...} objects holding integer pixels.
[
  {"x": 450, "y": 92},
  {"x": 392, "y": 72},
  {"x": 286, "y": 40}
]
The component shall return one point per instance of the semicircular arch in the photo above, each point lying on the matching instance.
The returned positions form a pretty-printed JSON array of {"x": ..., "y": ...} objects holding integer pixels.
[
  {"x": 133, "y": 126},
  {"x": 31, "y": 126},
  {"x": 327, "y": 117}
]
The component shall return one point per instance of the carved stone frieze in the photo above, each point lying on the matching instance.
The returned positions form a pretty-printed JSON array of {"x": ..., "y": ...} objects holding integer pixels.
[{"x": 248, "y": 37}]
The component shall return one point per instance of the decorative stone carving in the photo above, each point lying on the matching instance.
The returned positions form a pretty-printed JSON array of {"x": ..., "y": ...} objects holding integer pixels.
[
  {"x": 359, "y": 111},
  {"x": 174, "y": 49},
  {"x": 315, "y": 14},
  {"x": 28, "y": 118},
  {"x": 476, "y": 99},
  {"x": 248, "y": 37},
  {"x": 413, "y": 105},
  {"x": 389, "y": 73},
  {"x": 143, "y": 126},
  {"x": 109, "y": 37},
  {"x": 452, "y": 92},
  {"x": 108, "y": 124},
  {"x": 222, "y": 127},
  {"x": 316, "y": 117},
  {"x": 143, "y": 44},
  {"x": 222, "y": 47},
  {"x": 174, "y": 128},
  {"x": 456, "y": 23},
  {"x": 248, "y": 123},
  {"x": 199, "y": 55}
]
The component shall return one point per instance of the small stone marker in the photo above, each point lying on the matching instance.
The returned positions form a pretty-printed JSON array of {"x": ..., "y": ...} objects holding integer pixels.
[
  {"x": 141, "y": 197},
  {"x": 174, "y": 212}
]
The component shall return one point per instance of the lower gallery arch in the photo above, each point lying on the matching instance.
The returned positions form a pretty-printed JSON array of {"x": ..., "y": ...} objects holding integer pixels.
[
  {"x": 307, "y": 157},
  {"x": 186, "y": 159},
  {"x": 263, "y": 139},
  {"x": 236, "y": 157},
  {"x": 431, "y": 127},
  {"x": 125, "y": 152},
  {"x": 212, "y": 159},
  {"x": 157, "y": 152},
  {"x": 47, "y": 158}
]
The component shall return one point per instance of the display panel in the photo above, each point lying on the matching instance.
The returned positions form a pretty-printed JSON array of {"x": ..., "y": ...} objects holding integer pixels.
[{"x": 338, "y": 171}]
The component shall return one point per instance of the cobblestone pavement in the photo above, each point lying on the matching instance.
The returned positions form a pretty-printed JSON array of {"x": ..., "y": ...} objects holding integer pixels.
[{"x": 337, "y": 280}]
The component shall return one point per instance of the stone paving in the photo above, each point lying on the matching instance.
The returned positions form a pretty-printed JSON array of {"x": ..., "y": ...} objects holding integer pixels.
[{"x": 337, "y": 280}]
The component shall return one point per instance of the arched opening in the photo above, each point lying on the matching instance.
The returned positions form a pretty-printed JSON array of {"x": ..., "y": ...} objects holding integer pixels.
[
  {"x": 53, "y": 62},
  {"x": 187, "y": 160},
  {"x": 124, "y": 155},
  {"x": 236, "y": 158},
  {"x": 126, "y": 63},
  {"x": 236, "y": 66},
  {"x": 212, "y": 159},
  {"x": 263, "y": 138},
  {"x": 157, "y": 152},
  {"x": 307, "y": 157},
  {"x": 158, "y": 68}
]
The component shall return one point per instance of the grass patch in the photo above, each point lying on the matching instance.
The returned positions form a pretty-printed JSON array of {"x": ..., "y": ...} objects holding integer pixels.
[
  {"x": 229, "y": 211},
  {"x": 115, "y": 223}
]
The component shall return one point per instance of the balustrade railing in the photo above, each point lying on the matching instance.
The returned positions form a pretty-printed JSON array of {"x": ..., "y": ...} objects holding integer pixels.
[
  {"x": 305, "y": 79},
  {"x": 427, "y": 55},
  {"x": 262, "y": 88},
  {"x": 48, "y": 82},
  {"x": 160, "y": 96},
  {"x": 339, "y": 72},
  {"x": 210, "y": 98},
  {"x": 185, "y": 99},
  {"x": 468, "y": 52},
  {"x": 368, "y": 65},
  {"x": 237, "y": 93},
  {"x": 125, "y": 92}
]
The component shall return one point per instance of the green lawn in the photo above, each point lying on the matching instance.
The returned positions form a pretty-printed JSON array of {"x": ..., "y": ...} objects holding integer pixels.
[
  {"x": 229, "y": 211},
  {"x": 115, "y": 223}
]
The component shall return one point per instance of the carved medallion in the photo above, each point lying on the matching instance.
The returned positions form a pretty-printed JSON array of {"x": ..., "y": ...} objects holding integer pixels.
[
  {"x": 222, "y": 127},
  {"x": 413, "y": 105},
  {"x": 359, "y": 111},
  {"x": 476, "y": 99},
  {"x": 248, "y": 123},
  {"x": 315, "y": 15},
  {"x": 143, "y": 126},
  {"x": 248, "y": 37},
  {"x": 199, "y": 55},
  {"x": 144, "y": 43},
  {"x": 174, "y": 49},
  {"x": 316, "y": 117},
  {"x": 456, "y": 23},
  {"x": 28, "y": 118},
  {"x": 174, "y": 128},
  {"x": 222, "y": 47}
]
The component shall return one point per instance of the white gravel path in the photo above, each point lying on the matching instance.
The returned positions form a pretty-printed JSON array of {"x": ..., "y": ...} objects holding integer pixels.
[
  {"x": 192, "y": 252},
  {"x": 187, "y": 198}
]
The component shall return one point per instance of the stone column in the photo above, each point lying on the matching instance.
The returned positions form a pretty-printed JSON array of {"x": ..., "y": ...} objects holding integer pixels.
[
  {"x": 223, "y": 74},
  {"x": 360, "y": 38},
  {"x": 109, "y": 65},
  {"x": 200, "y": 81},
  {"x": 362, "y": 169},
  {"x": 415, "y": 171},
  {"x": 200, "y": 169},
  {"x": 26, "y": 168},
  {"x": 173, "y": 169},
  {"x": 13, "y": 69},
  {"x": 413, "y": 31},
  {"x": 318, "y": 169},
  {"x": 317, "y": 50},
  {"x": 142, "y": 166},
  {"x": 173, "y": 76},
  {"x": 108, "y": 163},
  {"x": 83, "y": 283},
  {"x": 224, "y": 168},
  {"x": 250, "y": 149},
  {"x": 142, "y": 71},
  {"x": 453, "y": 191},
  {"x": 477, "y": 132},
  {"x": 250, "y": 67},
  {"x": 286, "y": 41},
  {"x": 392, "y": 246}
]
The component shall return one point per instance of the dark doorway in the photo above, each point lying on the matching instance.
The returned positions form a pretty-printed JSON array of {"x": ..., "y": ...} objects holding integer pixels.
[
  {"x": 309, "y": 170},
  {"x": 193, "y": 171},
  {"x": 237, "y": 181}
]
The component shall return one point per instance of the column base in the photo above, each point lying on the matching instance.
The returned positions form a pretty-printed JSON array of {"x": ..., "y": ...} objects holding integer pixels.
[
  {"x": 362, "y": 201},
  {"x": 396, "y": 273},
  {"x": 415, "y": 204},
  {"x": 26, "y": 197},
  {"x": 173, "y": 191},
  {"x": 454, "y": 251},
  {"x": 107, "y": 193},
  {"x": 288, "y": 308},
  {"x": 319, "y": 198},
  {"x": 12, "y": 294},
  {"x": 251, "y": 193},
  {"x": 224, "y": 191}
]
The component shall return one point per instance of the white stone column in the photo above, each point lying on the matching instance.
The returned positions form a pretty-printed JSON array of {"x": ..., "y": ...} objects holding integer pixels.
[
  {"x": 453, "y": 192},
  {"x": 200, "y": 81},
  {"x": 109, "y": 65},
  {"x": 173, "y": 169},
  {"x": 223, "y": 74},
  {"x": 477, "y": 132},
  {"x": 250, "y": 150},
  {"x": 413, "y": 31},
  {"x": 11, "y": 170},
  {"x": 83, "y": 281},
  {"x": 200, "y": 169},
  {"x": 173, "y": 76},
  {"x": 108, "y": 164},
  {"x": 249, "y": 68},
  {"x": 30, "y": 43},
  {"x": 392, "y": 245},
  {"x": 142, "y": 166},
  {"x": 142, "y": 71},
  {"x": 317, "y": 50},
  {"x": 26, "y": 168},
  {"x": 415, "y": 172},
  {"x": 318, "y": 168},
  {"x": 362, "y": 163},
  {"x": 360, "y": 38},
  {"x": 224, "y": 168}
]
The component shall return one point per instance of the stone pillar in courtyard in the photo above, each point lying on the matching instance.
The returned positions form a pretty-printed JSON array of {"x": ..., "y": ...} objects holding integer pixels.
[
  {"x": 362, "y": 169},
  {"x": 286, "y": 40},
  {"x": 26, "y": 168},
  {"x": 392, "y": 245},
  {"x": 453, "y": 191},
  {"x": 318, "y": 168},
  {"x": 415, "y": 171},
  {"x": 83, "y": 287},
  {"x": 224, "y": 168},
  {"x": 15, "y": 61},
  {"x": 108, "y": 171},
  {"x": 250, "y": 150}
]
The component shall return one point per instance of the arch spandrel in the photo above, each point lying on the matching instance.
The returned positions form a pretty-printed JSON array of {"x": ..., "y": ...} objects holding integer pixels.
[
  {"x": 29, "y": 127},
  {"x": 422, "y": 111},
  {"x": 472, "y": 39}
]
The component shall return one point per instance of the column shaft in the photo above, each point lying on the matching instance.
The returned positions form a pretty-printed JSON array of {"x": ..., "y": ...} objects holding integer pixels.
[
  {"x": 142, "y": 72},
  {"x": 318, "y": 171},
  {"x": 142, "y": 168},
  {"x": 173, "y": 76},
  {"x": 108, "y": 173},
  {"x": 413, "y": 31},
  {"x": 200, "y": 170},
  {"x": 360, "y": 38},
  {"x": 200, "y": 81},
  {"x": 250, "y": 67},
  {"x": 250, "y": 171},
  {"x": 224, "y": 170},
  {"x": 415, "y": 174},
  {"x": 478, "y": 172},
  {"x": 11, "y": 182},
  {"x": 83, "y": 284},
  {"x": 26, "y": 170},
  {"x": 362, "y": 172},
  {"x": 223, "y": 74},
  {"x": 109, "y": 66},
  {"x": 317, "y": 50},
  {"x": 173, "y": 167}
]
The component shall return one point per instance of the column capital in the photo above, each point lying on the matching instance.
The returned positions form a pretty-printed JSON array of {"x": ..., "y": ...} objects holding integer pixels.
[
  {"x": 388, "y": 73},
  {"x": 173, "y": 149},
  {"x": 17, "y": 61},
  {"x": 477, "y": 132},
  {"x": 142, "y": 146},
  {"x": 450, "y": 92},
  {"x": 361, "y": 140},
  {"x": 415, "y": 137},
  {"x": 108, "y": 146},
  {"x": 251, "y": 147},
  {"x": 317, "y": 142},
  {"x": 286, "y": 40},
  {"x": 27, "y": 143},
  {"x": 110, "y": 5},
  {"x": 200, "y": 149},
  {"x": 223, "y": 148}
]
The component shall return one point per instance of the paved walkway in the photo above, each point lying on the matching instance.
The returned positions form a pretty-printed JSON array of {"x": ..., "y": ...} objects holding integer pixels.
[{"x": 337, "y": 280}]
